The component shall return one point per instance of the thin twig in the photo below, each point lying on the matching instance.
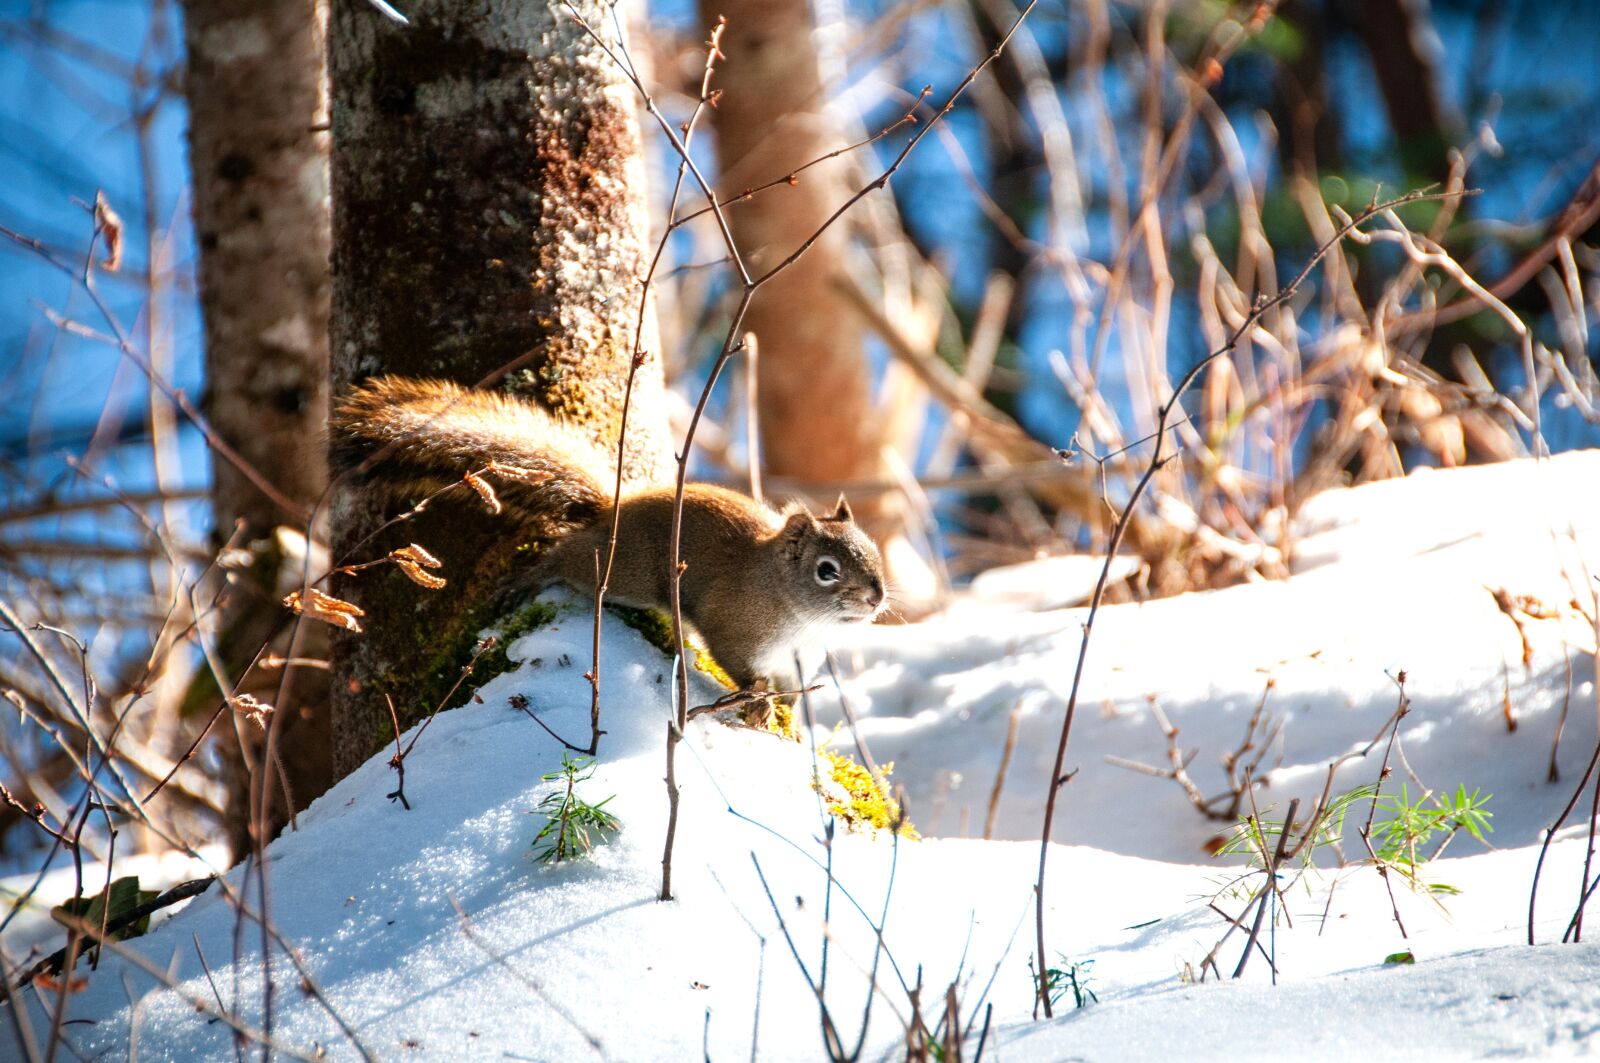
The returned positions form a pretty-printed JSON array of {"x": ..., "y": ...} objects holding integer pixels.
[
  {"x": 1549, "y": 835},
  {"x": 1000, "y": 774}
]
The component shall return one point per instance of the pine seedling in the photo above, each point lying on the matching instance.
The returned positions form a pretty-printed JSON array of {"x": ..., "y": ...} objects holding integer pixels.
[
  {"x": 572, "y": 823},
  {"x": 1404, "y": 836},
  {"x": 1257, "y": 838},
  {"x": 1402, "y": 831}
]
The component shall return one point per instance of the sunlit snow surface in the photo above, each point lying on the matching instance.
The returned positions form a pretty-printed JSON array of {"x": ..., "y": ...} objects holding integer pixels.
[{"x": 433, "y": 934}]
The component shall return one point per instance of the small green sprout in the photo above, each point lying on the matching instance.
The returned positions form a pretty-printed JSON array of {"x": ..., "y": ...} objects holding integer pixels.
[
  {"x": 572, "y": 822},
  {"x": 1402, "y": 830},
  {"x": 1402, "y": 838},
  {"x": 1069, "y": 977}
]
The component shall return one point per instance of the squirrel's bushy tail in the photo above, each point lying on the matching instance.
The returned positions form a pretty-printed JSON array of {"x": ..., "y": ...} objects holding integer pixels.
[{"x": 430, "y": 433}]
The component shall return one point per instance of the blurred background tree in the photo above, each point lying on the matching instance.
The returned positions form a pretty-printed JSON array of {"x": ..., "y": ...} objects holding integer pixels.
[{"x": 255, "y": 80}]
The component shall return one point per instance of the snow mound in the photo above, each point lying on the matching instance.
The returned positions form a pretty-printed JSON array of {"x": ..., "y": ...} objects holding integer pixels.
[{"x": 433, "y": 934}]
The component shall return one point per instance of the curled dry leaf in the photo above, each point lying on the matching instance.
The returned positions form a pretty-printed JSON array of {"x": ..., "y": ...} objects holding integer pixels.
[
  {"x": 251, "y": 709},
  {"x": 46, "y": 980},
  {"x": 1535, "y": 608},
  {"x": 326, "y": 608},
  {"x": 485, "y": 492},
  {"x": 414, "y": 553},
  {"x": 412, "y": 559},
  {"x": 110, "y": 226},
  {"x": 511, "y": 472}
]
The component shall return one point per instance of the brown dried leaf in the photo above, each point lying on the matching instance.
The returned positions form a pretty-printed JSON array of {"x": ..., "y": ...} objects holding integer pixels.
[
  {"x": 110, "y": 227},
  {"x": 415, "y": 573},
  {"x": 326, "y": 608},
  {"x": 511, "y": 472},
  {"x": 417, "y": 554},
  {"x": 485, "y": 492},
  {"x": 1535, "y": 608},
  {"x": 46, "y": 980},
  {"x": 251, "y": 709},
  {"x": 1508, "y": 606}
]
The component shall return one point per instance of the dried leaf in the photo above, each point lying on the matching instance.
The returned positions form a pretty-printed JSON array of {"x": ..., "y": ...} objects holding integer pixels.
[
  {"x": 1535, "y": 608},
  {"x": 46, "y": 980},
  {"x": 485, "y": 492},
  {"x": 417, "y": 554},
  {"x": 511, "y": 472},
  {"x": 110, "y": 228},
  {"x": 247, "y": 706},
  {"x": 415, "y": 573},
  {"x": 326, "y": 608}
]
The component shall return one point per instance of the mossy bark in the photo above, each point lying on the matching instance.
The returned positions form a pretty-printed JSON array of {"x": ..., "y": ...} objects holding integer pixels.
[
  {"x": 257, "y": 90},
  {"x": 489, "y": 227}
]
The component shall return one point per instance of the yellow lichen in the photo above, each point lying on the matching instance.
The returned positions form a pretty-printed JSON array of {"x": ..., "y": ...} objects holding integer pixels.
[
  {"x": 708, "y": 664},
  {"x": 865, "y": 805}
]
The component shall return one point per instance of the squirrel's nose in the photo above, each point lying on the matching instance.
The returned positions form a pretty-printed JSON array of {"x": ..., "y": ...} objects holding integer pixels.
[{"x": 875, "y": 598}]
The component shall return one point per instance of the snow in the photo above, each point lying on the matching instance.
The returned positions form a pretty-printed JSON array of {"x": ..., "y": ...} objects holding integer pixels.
[
  {"x": 1512, "y": 1002},
  {"x": 32, "y": 926},
  {"x": 434, "y": 935}
]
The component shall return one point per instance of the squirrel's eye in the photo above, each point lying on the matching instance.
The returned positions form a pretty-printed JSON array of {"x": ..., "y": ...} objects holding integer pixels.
[{"x": 827, "y": 571}]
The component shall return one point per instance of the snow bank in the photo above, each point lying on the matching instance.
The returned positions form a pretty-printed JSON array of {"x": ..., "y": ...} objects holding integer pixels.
[
  {"x": 1508, "y": 1003},
  {"x": 1403, "y": 582},
  {"x": 433, "y": 935}
]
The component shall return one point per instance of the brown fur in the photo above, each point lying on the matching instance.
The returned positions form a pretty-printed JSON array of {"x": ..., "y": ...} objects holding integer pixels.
[
  {"x": 751, "y": 586},
  {"x": 418, "y": 436}
]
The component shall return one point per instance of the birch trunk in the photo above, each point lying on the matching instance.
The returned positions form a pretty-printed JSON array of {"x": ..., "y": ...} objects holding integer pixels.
[{"x": 257, "y": 93}]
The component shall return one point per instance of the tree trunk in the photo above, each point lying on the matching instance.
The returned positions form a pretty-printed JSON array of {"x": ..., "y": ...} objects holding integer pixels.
[
  {"x": 1308, "y": 128},
  {"x": 815, "y": 387},
  {"x": 489, "y": 226},
  {"x": 257, "y": 92},
  {"x": 1013, "y": 155},
  {"x": 1400, "y": 37}
]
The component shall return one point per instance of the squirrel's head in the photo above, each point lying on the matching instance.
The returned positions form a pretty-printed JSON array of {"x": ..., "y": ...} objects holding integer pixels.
[{"x": 837, "y": 570}]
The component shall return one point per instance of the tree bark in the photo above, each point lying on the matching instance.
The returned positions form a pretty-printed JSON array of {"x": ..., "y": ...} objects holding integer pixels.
[
  {"x": 1399, "y": 36},
  {"x": 1013, "y": 156},
  {"x": 257, "y": 93},
  {"x": 1308, "y": 128},
  {"x": 489, "y": 226}
]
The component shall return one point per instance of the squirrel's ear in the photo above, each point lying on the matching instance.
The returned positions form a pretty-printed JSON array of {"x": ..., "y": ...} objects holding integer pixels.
[
  {"x": 842, "y": 511},
  {"x": 797, "y": 529},
  {"x": 798, "y": 523}
]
